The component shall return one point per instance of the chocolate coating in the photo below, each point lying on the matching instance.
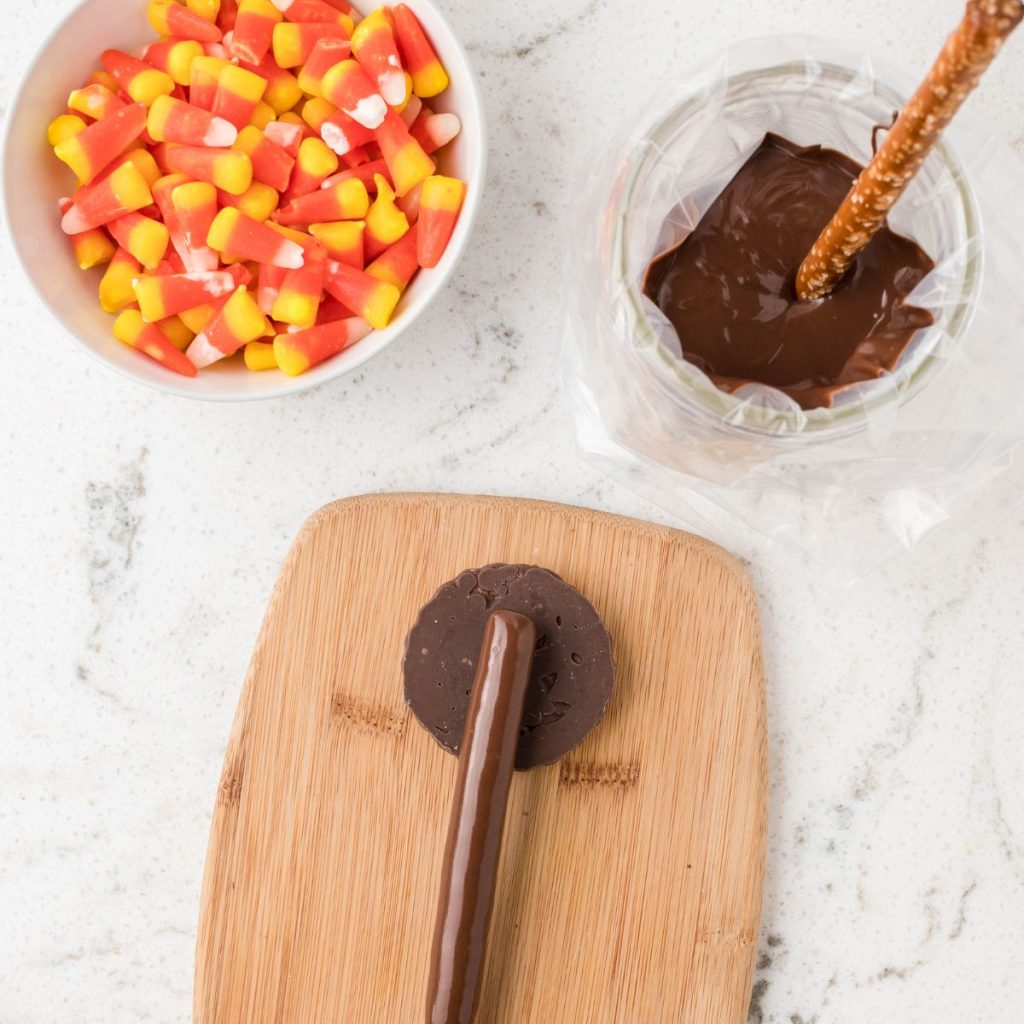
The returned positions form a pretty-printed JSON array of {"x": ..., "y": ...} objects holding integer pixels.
[
  {"x": 572, "y": 675},
  {"x": 477, "y": 821},
  {"x": 729, "y": 287}
]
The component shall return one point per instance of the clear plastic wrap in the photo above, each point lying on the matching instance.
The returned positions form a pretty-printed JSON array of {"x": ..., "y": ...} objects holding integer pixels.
[{"x": 892, "y": 460}]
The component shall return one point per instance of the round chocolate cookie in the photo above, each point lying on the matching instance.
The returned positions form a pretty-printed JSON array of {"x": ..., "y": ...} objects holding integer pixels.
[{"x": 572, "y": 675}]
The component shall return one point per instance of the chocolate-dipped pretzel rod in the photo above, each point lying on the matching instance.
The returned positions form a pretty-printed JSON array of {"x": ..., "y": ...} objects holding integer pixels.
[
  {"x": 966, "y": 54},
  {"x": 477, "y": 823}
]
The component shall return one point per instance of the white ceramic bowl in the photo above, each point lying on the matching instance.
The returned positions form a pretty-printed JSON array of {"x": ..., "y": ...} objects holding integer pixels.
[{"x": 33, "y": 180}]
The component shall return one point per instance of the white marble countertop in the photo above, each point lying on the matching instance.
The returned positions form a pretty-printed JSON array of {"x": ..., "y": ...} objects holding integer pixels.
[{"x": 143, "y": 535}]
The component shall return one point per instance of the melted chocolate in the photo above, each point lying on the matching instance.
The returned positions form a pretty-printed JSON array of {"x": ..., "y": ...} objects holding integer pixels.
[
  {"x": 572, "y": 674},
  {"x": 729, "y": 286},
  {"x": 477, "y": 820}
]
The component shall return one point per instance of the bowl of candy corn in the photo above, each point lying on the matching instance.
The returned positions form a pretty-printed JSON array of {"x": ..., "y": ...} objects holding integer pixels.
[{"x": 238, "y": 199}]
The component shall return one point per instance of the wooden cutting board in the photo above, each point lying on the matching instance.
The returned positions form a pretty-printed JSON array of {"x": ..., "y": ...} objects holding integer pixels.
[{"x": 631, "y": 878}]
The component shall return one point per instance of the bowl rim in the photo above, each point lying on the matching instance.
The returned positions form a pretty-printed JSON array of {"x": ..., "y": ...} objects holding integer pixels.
[{"x": 288, "y": 385}]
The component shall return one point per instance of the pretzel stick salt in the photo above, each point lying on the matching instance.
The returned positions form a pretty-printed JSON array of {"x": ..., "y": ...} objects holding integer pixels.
[{"x": 967, "y": 53}]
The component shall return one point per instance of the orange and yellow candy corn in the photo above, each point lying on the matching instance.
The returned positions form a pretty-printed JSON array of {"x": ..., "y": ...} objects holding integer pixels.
[
  {"x": 241, "y": 236},
  {"x": 440, "y": 204},
  {"x": 327, "y": 52},
  {"x": 235, "y": 324},
  {"x": 92, "y": 247},
  {"x": 172, "y": 120},
  {"x": 374, "y": 46},
  {"x": 115, "y": 290},
  {"x": 293, "y": 43},
  {"x": 64, "y": 126},
  {"x": 366, "y": 296},
  {"x": 149, "y": 339},
  {"x": 95, "y": 101},
  {"x": 145, "y": 238},
  {"x": 140, "y": 80},
  {"x": 385, "y": 222},
  {"x": 259, "y": 356},
  {"x": 174, "y": 57},
  {"x": 298, "y": 298},
  {"x": 342, "y": 239},
  {"x": 89, "y": 152},
  {"x": 204, "y": 74},
  {"x": 172, "y": 19},
  {"x": 110, "y": 196},
  {"x": 194, "y": 204},
  {"x": 271, "y": 164},
  {"x": 348, "y": 200},
  {"x": 238, "y": 92},
  {"x": 253, "y": 30},
  {"x": 398, "y": 264},
  {"x": 434, "y": 131},
  {"x": 169, "y": 294},
  {"x": 350, "y": 89},
  {"x": 428, "y": 74},
  {"x": 315, "y": 162},
  {"x": 258, "y": 201},
  {"x": 407, "y": 164},
  {"x": 227, "y": 169},
  {"x": 296, "y": 352}
]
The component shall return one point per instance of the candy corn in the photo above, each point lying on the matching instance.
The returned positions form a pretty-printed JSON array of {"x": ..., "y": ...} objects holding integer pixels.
[
  {"x": 172, "y": 120},
  {"x": 398, "y": 264},
  {"x": 131, "y": 329},
  {"x": 174, "y": 57},
  {"x": 204, "y": 74},
  {"x": 89, "y": 152},
  {"x": 172, "y": 19},
  {"x": 298, "y": 298},
  {"x": 63, "y": 127},
  {"x": 253, "y": 30},
  {"x": 343, "y": 240},
  {"x": 348, "y": 200},
  {"x": 236, "y": 323},
  {"x": 374, "y": 46},
  {"x": 238, "y": 92},
  {"x": 315, "y": 162},
  {"x": 271, "y": 164},
  {"x": 92, "y": 247},
  {"x": 385, "y": 222},
  {"x": 434, "y": 131},
  {"x": 327, "y": 52},
  {"x": 121, "y": 191},
  {"x": 195, "y": 206},
  {"x": 349, "y": 88},
  {"x": 115, "y": 289},
  {"x": 428, "y": 74},
  {"x": 245, "y": 121},
  {"x": 258, "y": 201},
  {"x": 283, "y": 91},
  {"x": 344, "y": 134},
  {"x": 293, "y": 43},
  {"x": 164, "y": 296},
  {"x": 296, "y": 352},
  {"x": 407, "y": 164},
  {"x": 140, "y": 80},
  {"x": 94, "y": 101},
  {"x": 314, "y": 10},
  {"x": 235, "y": 233},
  {"x": 366, "y": 296},
  {"x": 226, "y": 168},
  {"x": 145, "y": 238},
  {"x": 440, "y": 204},
  {"x": 259, "y": 355}
]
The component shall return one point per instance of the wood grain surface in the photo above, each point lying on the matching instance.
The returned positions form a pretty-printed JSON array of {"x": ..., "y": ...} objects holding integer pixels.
[{"x": 631, "y": 878}]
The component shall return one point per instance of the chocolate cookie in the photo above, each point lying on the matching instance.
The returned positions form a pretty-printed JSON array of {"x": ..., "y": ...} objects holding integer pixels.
[{"x": 572, "y": 675}]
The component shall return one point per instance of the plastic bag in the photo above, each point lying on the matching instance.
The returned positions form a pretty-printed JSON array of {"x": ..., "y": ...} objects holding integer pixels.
[{"x": 893, "y": 460}]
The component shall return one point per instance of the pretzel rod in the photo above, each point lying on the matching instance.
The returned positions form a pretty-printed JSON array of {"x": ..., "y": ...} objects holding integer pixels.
[{"x": 966, "y": 54}]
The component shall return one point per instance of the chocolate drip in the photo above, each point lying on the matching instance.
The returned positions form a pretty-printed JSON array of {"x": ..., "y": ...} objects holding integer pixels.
[
  {"x": 477, "y": 820},
  {"x": 729, "y": 287}
]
